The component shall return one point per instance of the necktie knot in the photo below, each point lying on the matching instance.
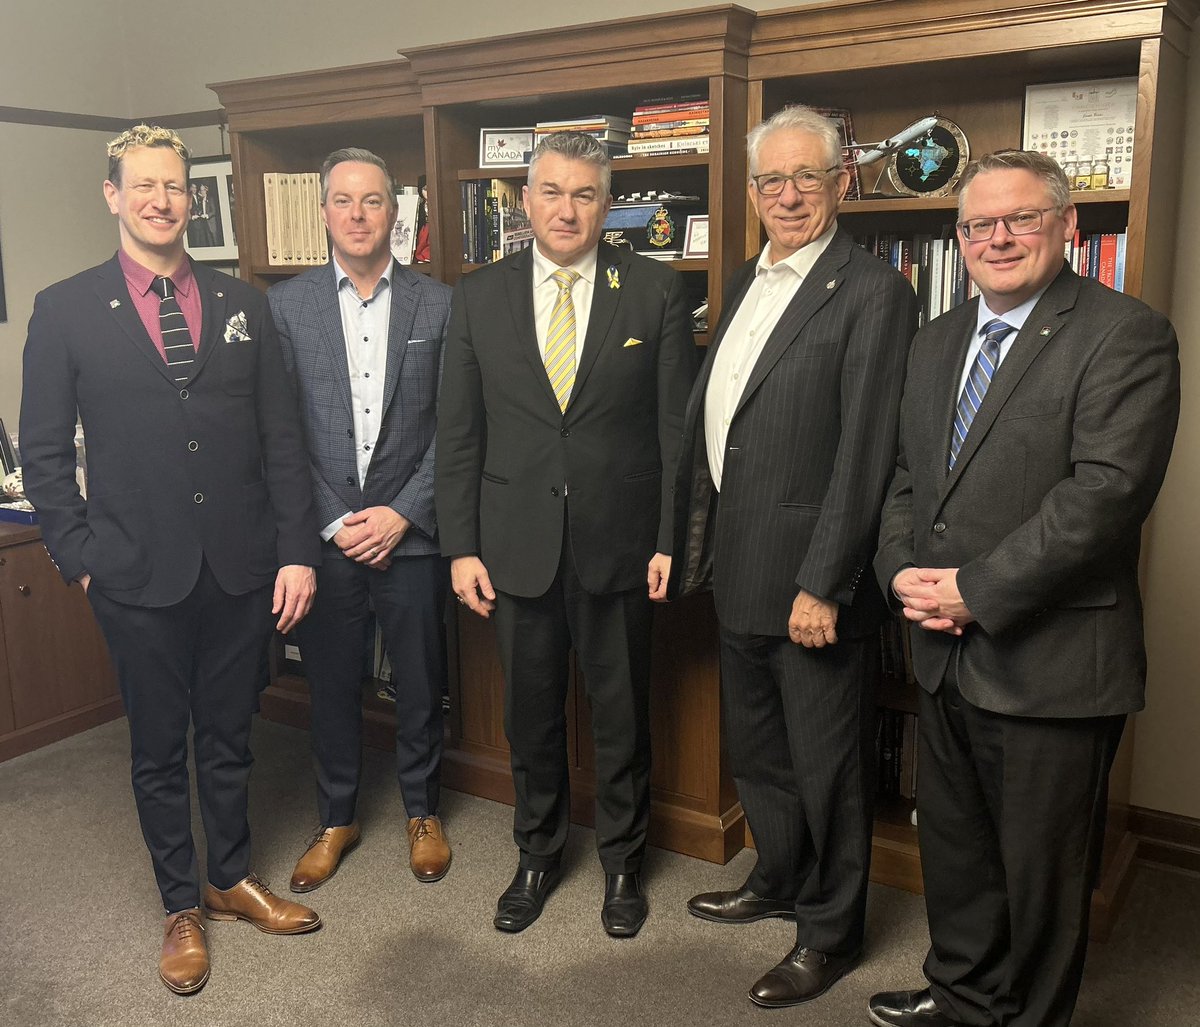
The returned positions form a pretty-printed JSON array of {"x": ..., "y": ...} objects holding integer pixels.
[
  {"x": 565, "y": 279},
  {"x": 995, "y": 331},
  {"x": 164, "y": 287}
]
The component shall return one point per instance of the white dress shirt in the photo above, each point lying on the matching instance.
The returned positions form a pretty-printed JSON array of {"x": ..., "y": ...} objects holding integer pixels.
[
  {"x": 1015, "y": 317},
  {"x": 545, "y": 293},
  {"x": 365, "y": 329},
  {"x": 773, "y": 288}
]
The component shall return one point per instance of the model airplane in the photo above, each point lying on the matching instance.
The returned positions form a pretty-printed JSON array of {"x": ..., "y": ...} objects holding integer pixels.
[{"x": 868, "y": 153}]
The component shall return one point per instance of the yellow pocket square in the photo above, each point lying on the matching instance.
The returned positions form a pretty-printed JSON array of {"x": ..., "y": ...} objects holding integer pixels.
[{"x": 632, "y": 342}]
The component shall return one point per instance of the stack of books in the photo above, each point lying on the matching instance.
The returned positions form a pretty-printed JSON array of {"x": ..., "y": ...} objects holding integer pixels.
[
  {"x": 494, "y": 222},
  {"x": 611, "y": 130},
  {"x": 295, "y": 231},
  {"x": 670, "y": 125}
]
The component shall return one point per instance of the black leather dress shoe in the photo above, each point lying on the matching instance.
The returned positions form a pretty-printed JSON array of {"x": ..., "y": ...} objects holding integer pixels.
[
  {"x": 906, "y": 1009},
  {"x": 625, "y": 907},
  {"x": 521, "y": 902},
  {"x": 804, "y": 974},
  {"x": 738, "y": 907}
]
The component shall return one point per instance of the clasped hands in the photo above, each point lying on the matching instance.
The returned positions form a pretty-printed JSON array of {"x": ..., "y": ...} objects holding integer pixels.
[
  {"x": 931, "y": 598},
  {"x": 370, "y": 535}
]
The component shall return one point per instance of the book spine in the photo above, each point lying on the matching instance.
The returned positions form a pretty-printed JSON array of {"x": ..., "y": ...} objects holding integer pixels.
[{"x": 690, "y": 144}]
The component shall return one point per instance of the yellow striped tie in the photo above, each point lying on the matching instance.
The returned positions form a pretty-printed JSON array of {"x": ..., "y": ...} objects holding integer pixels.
[{"x": 560, "y": 338}]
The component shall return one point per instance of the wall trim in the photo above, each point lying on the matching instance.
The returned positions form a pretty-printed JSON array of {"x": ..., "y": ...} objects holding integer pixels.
[
  {"x": 1166, "y": 839},
  {"x": 102, "y": 123}
]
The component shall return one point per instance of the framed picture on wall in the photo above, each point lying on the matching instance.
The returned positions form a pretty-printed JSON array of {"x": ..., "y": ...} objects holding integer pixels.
[{"x": 210, "y": 235}]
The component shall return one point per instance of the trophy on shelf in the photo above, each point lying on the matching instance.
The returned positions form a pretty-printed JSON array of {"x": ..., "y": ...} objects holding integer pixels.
[{"x": 925, "y": 159}]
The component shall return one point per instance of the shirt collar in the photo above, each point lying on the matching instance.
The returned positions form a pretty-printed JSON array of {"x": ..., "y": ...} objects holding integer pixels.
[
  {"x": 140, "y": 278},
  {"x": 1015, "y": 317},
  {"x": 544, "y": 267},
  {"x": 801, "y": 262},
  {"x": 340, "y": 277}
]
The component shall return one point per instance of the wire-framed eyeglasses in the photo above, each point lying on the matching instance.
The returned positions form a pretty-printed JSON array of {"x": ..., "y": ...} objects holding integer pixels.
[
  {"x": 1019, "y": 222},
  {"x": 806, "y": 180}
]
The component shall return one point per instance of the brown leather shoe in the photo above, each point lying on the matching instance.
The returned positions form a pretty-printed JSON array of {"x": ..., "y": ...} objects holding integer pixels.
[
  {"x": 251, "y": 900},
  {"x": 323, "y": 855},
  {"x": 428, "y": 850},
  {"x": 183, "y": 965}
]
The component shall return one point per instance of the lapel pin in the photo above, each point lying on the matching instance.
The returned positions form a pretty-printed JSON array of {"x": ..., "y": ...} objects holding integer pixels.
[
  {"x": 114, "y": 304},
  {"x": 831, "y": 283},
  {"x": 614, "y": 277},
  {"x": 220, "y": 295},
  {"x": 1045, "y": 330}
]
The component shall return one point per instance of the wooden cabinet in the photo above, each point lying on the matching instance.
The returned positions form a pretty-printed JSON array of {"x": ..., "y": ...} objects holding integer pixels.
[
  {"x": 55, "y": 675},
  {"x": 888, "y": 61}
]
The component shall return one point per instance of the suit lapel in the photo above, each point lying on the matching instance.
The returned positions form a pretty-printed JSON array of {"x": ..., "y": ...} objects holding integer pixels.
[
  {"x": 400, "y": 322},
  {"x": 329, "y": 317},
  {"x": 212, "y": 308},
  {"x": 113, "y": 292},
  {"x": 518, "y": 286},
  {"x": 695, "y": 411},
  {"x": 820, "y": 285},
  {"x": 605, "y": 300},
  {"x": 957, "y": 331}
]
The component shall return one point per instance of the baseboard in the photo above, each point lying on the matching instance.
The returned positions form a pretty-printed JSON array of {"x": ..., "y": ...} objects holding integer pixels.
[
  {"x": 34, "y": 736},
  {"x": 1166, "y": 839}
]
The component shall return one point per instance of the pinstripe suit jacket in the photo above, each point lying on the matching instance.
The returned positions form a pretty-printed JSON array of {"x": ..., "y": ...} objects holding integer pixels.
[
  {"x": 1042, "y": 513},
  {"x": 810, "y": 449},
  {"x": 400, "y": 475}
]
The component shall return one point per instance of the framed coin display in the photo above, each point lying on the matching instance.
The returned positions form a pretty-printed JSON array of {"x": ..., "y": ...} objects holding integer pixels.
[{"x": 932, "y": 164}]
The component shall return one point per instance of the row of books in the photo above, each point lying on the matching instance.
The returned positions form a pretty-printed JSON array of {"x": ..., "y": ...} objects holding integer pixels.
[
  {"x": 896, "y": 751},
  {"x": 609, "y": 129},
  {"x": 1099, "y": 255},
  {"x": 671, "y": 125},
  {"x": 295, "y": 232},
  {"x": 494, "y": 222}
]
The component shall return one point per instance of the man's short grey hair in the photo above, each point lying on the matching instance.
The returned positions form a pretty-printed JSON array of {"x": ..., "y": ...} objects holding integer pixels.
[
  {"x": 1046, "y": 168},
  {"x": 356, "y": 155},
  {"x": 796, "y": 118},
  {"x": 574, "y": 146}
]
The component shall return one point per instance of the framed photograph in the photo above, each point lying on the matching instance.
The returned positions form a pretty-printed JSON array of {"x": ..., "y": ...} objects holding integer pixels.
[
  {"x": 404, "y": 231},
  {"x": 840, "y": 116},
  {"x": 225, "y": 269},
  {"x": 504, "y": 147},
  {"x": 210, "y": 235},
  {"x": 695, "y": 242}
]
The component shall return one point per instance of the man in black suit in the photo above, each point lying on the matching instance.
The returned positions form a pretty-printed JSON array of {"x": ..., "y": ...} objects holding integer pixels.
[
  {"x": 198, "y": 530},
  {"x": 567, "y": 370},
  {"x": 362, "y": 336},
  {"x": 1035, "y": 432},
  {"x": 791, "y": 436}
]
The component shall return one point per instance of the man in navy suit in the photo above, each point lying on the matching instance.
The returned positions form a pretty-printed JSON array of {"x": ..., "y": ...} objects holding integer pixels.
[
  {"x": 1035, "y": 432},
  {"x": 197, "y": 531},
  {"x": 362, "y": 338},
  {"x": 790, "y": 439}
]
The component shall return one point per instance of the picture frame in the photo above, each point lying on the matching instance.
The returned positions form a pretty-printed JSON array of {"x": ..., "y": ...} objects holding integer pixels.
[
  {"x": 404, "y": 230},
  {"x": 842, "y": 120},
  {"x": 695, "y": 240},
  {"x": 211, "y": 235},
  {"x": 505, "y": 147}
]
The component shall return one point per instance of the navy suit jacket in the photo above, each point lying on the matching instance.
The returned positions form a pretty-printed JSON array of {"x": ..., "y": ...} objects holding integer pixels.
[
  {"x": 400, "y": 475},
  {"x": 1043, "y": 511},
  {"x": 215, "y": 470}
]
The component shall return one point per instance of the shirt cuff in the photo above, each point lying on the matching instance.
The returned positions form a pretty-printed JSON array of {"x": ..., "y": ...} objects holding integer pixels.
[{"x": 333, "y": 527}]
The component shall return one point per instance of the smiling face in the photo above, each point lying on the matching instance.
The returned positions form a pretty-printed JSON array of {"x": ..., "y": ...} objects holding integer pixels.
[
  {"x": 152, "y": 204},
  {"x": 1010, "y": 269},
  {"x": 794, "y": 219},
  {"x": 567, "y": 205},
  {"x": 359, "y": 212}
]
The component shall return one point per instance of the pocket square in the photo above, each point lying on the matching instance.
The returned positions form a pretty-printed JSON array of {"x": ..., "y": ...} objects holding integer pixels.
[
  {"x": 236, "y": 329},
  {"x": 632, "y": 342},
  {"x": 412, "y": 341}
]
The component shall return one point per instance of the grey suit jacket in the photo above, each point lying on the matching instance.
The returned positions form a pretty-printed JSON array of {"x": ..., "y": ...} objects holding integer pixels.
[
  {"x": 400, "y": 475},
  {"x": 810, "y": 450},
  {"x": 1042, "y": 513}
]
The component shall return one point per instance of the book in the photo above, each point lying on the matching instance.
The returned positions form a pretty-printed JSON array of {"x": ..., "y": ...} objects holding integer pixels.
[
  {"x": 687, "y": 144},
  {"x": 16, "y": 513}
]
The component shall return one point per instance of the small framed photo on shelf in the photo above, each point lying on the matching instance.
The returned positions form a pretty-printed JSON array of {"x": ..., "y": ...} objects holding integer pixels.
[
  {"x": 210, "y": 235},
  {"x": 404, "y": 231},
  {"x": 695, "y": 241},
  {"x": 840, "y": 116},
  {"x": 505, "y": 147}
]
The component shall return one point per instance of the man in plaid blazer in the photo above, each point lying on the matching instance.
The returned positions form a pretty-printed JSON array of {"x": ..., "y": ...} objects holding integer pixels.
[{"x": 362, "y": 337}]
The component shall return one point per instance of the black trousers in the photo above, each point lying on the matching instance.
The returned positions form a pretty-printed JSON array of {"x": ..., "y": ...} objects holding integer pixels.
[
  {"x": 800, "y": 733},
  {"x": 611, "y": 638},
  {"x": 199, "y": 661},
  {"x": 409, "y": 599},
  {"x": 1011, "y": 814}
]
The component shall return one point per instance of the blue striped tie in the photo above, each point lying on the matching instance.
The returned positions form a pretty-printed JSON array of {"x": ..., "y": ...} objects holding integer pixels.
[{"x": 994, "y": 333}]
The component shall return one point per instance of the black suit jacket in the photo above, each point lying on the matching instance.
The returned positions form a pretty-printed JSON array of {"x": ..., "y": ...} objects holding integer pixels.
[
  {"x": 1043, "y": 510},
  {"x": 810, "y": 450},
  {"x": 507, "y": 456},
  {"x": 215, "y": 470}
]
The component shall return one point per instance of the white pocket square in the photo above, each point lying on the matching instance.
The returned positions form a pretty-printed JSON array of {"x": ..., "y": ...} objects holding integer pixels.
[
  {"x": 236, "y": 329},
  {"x": 411, "y": 341}
]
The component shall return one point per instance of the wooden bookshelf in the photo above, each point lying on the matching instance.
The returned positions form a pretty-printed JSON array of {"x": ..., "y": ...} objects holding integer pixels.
[{"x": 888, "y": 61}]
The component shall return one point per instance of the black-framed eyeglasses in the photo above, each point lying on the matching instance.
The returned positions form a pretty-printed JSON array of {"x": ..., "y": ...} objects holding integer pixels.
[
  {"x": 807, "y": 180},
  {"x": 1019, "y": 222}
]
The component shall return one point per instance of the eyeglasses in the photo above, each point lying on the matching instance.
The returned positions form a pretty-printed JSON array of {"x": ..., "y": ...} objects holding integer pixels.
[
  {"x": 807, "y": 181},
  {"x": 1019, "y": 222}
]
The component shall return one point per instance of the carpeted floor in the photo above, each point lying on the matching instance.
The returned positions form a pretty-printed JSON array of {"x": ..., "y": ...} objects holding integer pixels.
[{"x": 80, "y": 923}]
